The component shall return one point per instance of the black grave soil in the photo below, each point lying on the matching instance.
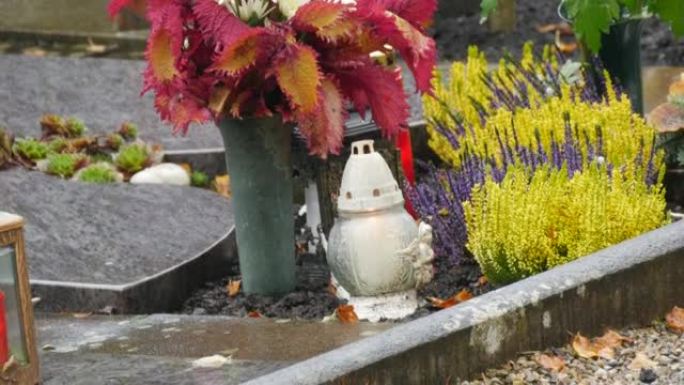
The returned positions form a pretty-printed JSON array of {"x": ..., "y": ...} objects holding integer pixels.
[
  {"x": 455, "y": 34},
  {"x": 312, "y": 299}
]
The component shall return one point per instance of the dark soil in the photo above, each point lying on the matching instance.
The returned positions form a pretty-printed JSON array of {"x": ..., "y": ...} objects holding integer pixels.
[
  {"x": 312, "y": 300},
  {"x": 455, "y": 34}
]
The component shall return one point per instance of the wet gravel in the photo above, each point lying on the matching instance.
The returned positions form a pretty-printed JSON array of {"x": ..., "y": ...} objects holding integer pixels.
[{"x": 661, "y": 362}]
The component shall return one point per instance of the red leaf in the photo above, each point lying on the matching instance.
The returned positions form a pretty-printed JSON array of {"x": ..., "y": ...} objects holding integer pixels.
[
  {"x": 115, "y": 6},
  {"x": 324, "y": 128},
  {"x": 417, "y": 12},
  {"x": 298, "y": 76},
  {"x": 418, "y": 50},
  {"x": 383, "y": 90},
  {"x": 217, "y": 23}
]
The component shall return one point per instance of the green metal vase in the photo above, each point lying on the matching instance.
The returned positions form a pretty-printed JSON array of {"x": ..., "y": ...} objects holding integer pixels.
[
  {"x": 621, "y": 54},
  {"x": 259, "y": 161}
]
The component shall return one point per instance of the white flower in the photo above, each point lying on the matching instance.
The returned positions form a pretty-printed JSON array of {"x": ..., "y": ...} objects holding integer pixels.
[
  {"x": 249, "y": 11},
  {"x": 290, "y": 7}
]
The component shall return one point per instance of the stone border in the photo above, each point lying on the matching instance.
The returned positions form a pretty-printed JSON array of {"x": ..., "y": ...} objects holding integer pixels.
[
  {"x": 162, "y": 292},
  {"x": 630, "y": 284}
]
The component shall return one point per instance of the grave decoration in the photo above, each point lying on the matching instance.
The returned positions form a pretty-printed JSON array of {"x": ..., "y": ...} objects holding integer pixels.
[
  {"x": 18, "y": 353},
  {"x": 260, "y": 67},
  {"x": 375, "y": 247},
  {"x": 668, "y": 120}
]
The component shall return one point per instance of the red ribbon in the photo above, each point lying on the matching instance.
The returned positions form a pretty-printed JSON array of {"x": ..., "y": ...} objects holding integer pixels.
[{"x": 4, "y": 344}]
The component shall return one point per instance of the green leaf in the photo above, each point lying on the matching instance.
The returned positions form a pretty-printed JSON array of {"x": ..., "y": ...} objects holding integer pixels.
[
  {"x": 671, "y": 11},
  {"x": 634, "y": 6},
  {"x": 488, "y": 6},
  {"x": 592, "y": 18}
]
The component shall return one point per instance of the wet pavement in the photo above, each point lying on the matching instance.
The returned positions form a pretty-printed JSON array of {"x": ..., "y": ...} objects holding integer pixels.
[{"x": 160, "y": 349}]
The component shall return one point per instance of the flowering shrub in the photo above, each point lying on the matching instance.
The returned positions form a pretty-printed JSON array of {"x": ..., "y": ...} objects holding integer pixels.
[
  {"x": 532, "y": 117},
  {"x": 296, "y": 58},
  {"x": 523, "y": 226}
]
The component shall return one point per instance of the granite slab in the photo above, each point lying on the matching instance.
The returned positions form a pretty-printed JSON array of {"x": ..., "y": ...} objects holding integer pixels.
[
  {"x": 106, "y": 92},
  {"x": 102, "y": 92},
  {"x": 137, "y": 248},
  {"x": 160, "y": 349}
]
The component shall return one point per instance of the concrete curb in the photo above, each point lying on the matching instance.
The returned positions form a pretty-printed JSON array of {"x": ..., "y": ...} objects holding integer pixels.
[{"x": 630, "y": 284}]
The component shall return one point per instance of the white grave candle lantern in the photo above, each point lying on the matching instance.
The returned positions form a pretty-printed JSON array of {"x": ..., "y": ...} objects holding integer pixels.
[{"x": 373, "y": 246}]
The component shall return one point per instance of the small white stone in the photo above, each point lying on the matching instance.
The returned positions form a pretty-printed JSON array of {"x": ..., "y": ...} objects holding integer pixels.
[{"x": 165, "y": 173}]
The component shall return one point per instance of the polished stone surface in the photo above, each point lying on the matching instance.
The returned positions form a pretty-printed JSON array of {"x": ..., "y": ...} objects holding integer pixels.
[
  {"x": 115, "y": 237},
  {"x": 160, "y": 349}
]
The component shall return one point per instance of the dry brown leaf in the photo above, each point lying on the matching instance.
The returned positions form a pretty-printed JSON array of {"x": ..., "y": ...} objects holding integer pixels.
[
  {"x": 641, "y": 361},
  {"x": 563, "y": 28},
  {"x": 34, "y": 51},
  {"x": 612, "y": 339},
  {"x": 222, "y": 185},
  {"x": 233, "y": 287},
  {"x": 666, "y": 118},
  {"x": 554, "y": 363},
  {"x": 461, "y": 296},
  {"x": 603, "y": 346},
  {"x": 187, "y": 167},
  {"x": 482, "y": 281},
  {"x": 254, "y": 314},
  {"x": 563, "y": 46},
  {"x": 583, "y": 347},
  {"x": 332, "y": 289},
  {"x": 675, "y": 320},
  {"x": 346, "y": 314}
]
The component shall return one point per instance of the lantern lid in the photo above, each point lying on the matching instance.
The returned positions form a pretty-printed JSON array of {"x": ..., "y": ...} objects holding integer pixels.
[
  {"x": 10, "y": 221},
  {"x": 367, "y": 182}
]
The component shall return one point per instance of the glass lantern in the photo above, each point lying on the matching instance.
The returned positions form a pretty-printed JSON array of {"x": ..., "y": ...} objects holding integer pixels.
[{"x": 18, "y": 354}]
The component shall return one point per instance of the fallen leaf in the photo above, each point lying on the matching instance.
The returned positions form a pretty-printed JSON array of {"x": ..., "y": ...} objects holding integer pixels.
[
  {"x": 332, "y": 289},
  {"x": 93, "y": 48},
  {"x": 254, "y": 314},
  {"x": 461, "y": 296},
  {"x": 641, "y": 361},
  {"x": 583, "y": 347},
  {"x": 612, "y": 339},
  {"x": 233, "y": 287},
  {"x": 554, "y": 363},
  {"x": 35, "y": 51},
  {"x": 563, "y": 46},
  {"x": 675, "y": 320},
  {"x": 222, "y": 185},
  {"x": 187, "y": 167},
  {"x": 603, "y": 346},
  {"x": 346, "y": 314},
  {"x": 482, "y": 281},
  {"x": 82, "y": 315}
]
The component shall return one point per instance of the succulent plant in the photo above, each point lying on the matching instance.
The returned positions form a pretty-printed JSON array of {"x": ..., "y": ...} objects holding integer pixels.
[
  {"x": 53, "y": 125},
  {"x": 31, "y": 149},
  {"x": 58, "y": 144},
  {"x": 199, "y": 179},
  {"x": 64, "y": 165},
  {"x": 132, "y": 158},
  {"x": 99, "y": 173},
  {"x": 128, "y": 131},
  {"x": 75, "y": 128},
  {"x": 114, "y": 141}
]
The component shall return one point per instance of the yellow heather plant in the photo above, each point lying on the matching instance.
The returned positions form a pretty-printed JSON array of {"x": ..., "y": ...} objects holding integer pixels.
[
  {"x": 525, "y": 225},
  {"x": 464, "y": 102}
]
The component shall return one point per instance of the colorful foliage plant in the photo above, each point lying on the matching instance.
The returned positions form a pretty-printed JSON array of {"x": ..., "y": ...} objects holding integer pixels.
[
  {"x": 546, "y": 121},
  {"x": 300, "y": 59}
]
